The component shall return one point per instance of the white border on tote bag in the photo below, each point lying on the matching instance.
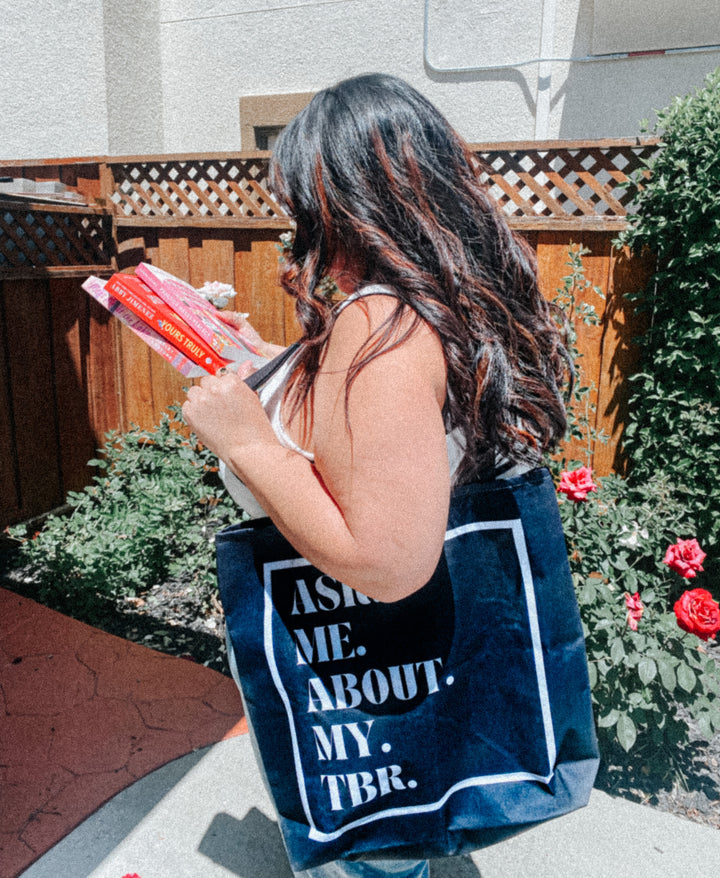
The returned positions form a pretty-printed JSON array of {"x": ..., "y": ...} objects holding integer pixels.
[{"x": 515, "y": 526}]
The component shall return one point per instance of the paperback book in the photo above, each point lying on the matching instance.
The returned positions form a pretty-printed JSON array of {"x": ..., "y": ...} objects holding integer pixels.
[
  {"x": 96, "y": 288},
  {"x": 155, "y": 312},
  {"x": 175, "y": 320},
  {"x": 199, "y": 314}
]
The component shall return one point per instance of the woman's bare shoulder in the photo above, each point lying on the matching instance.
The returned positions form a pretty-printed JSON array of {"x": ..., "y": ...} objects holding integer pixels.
[{"x": 366, "y": 315}]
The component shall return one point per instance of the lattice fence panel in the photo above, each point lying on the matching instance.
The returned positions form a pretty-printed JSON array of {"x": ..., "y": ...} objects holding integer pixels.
[
  {"x": 194, "y": 188},
  {"x": 529, "y": 181},
  {"x": 564, "y": 182},
  {"x": 36, "y": 237}
]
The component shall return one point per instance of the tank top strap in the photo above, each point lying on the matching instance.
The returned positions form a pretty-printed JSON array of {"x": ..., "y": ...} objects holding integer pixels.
[{"x": 370, "y": 290}]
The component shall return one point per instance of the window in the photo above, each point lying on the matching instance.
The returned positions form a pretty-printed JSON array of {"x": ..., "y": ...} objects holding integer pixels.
[{"x": 266, "y": 135}]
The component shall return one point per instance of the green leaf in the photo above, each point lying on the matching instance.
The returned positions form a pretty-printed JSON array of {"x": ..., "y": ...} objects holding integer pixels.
[
  {"x": 705, "y": 727},
  {"x": 593, "y": 675},
  {"x": 617, "y": 651},
  {"x": 686, "y": 677},
  {"x": 588, "y": 592},
  {"x": 620, "y": 561},
  {"x": 626, "y": 732},
  {"x": 609, "y": 719},
  {"x": 667, "y": 674},
  {"x": 647, "y": 670},
  {"x": 630, "y": 580}
]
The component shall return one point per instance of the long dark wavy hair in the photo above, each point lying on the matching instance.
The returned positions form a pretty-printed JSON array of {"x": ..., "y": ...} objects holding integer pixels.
[{"x": 371, "y": 169}]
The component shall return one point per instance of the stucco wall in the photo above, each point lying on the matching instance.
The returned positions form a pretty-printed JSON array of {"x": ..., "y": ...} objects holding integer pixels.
[
  {"x": 267, "y": 47},
  {"x": 229, "y": 48},
  {"x": 150, "y": 76},
  {"x": 133, "y": 65},
  {"x": 52, "y": 79}
]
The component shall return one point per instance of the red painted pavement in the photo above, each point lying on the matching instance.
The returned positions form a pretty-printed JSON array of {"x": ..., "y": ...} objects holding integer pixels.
[{"x": 84, "y": 714}]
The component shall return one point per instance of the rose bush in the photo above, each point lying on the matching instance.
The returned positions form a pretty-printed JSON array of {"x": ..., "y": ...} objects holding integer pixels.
[
  {"x": 643, "y": 663},
  {"x": 651, "y": 680},
  {"x": 698, "y": 614},
  {"x": 673, "y": 423}
]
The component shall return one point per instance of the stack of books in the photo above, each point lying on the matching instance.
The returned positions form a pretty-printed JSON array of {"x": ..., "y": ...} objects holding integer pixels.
[{"x": 173, "y": 318}]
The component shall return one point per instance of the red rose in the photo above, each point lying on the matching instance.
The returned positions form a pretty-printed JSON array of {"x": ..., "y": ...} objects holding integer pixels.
[
  {"x": 698, "y": 614},
  {"x": 635, "y": 608},
  {"x": 577, "y": 483},
  {"x": 685, "y": 558}
]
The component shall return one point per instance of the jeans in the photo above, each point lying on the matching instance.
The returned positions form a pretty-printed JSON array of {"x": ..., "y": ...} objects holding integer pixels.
[{"x": 369, "y": 869}]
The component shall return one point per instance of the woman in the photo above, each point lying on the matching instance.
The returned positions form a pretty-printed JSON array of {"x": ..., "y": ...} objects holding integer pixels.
[{"x": 442, "y": 365}]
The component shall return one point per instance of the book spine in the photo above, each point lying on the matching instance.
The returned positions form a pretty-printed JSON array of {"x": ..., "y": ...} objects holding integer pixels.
[
  {"x": 136, "y": 296},
  {"x": 95, "y": 287}
]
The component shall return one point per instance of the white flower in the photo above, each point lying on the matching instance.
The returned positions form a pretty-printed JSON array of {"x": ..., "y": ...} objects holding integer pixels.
[
  {"x": 217, "y": 293},
  {"x": 630, "y": 537}
]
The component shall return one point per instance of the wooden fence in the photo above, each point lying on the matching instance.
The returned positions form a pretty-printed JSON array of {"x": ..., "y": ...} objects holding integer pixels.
[{"x": 70, "y": 373}]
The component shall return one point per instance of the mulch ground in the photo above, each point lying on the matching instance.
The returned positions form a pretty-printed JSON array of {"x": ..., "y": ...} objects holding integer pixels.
[{"x": 168, "y": 618}]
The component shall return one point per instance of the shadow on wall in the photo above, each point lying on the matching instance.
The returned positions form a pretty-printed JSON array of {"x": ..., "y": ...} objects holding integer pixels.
[
  {"x": 583, "y": 100},
  {"x": 601, "y": 99},
  {"x": 524, "y": 78}
]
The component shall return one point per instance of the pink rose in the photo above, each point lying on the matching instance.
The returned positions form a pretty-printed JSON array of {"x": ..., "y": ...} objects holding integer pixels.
[
  {"x": 577, "y": 483},
  {"x": 635, "y": 608},
  {"x": 685, "y": 558},
  {"x": 698, "y": 614}
]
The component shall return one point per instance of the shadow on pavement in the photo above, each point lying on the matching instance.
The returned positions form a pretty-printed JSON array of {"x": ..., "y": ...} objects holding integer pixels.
[
  {"x": 253, "y": 846},
  {"x": 454, "y": 867}
]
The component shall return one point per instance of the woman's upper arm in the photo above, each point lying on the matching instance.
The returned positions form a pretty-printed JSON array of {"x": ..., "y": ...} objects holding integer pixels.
[{"x": 385, "y": 466}]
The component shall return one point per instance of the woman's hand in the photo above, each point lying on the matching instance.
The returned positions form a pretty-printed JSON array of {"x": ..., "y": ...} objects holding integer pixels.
[
  {"x": 240, "y": 323},
  {"x": 226, "y": 415}
]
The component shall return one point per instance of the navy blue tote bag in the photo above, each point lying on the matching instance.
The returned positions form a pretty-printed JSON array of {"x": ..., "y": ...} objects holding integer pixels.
[{"x": 431, "y": 726}]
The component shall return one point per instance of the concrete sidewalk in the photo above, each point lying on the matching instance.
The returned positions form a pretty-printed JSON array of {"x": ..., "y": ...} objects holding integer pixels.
[{"x": 207, "y": 815}]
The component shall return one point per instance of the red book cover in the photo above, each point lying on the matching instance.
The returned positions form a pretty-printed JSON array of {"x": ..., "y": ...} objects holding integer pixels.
[
  {"x": 96, "y": 287},
  {"x": 141, "y": 300},
  {"x": 199, "y": 314}
]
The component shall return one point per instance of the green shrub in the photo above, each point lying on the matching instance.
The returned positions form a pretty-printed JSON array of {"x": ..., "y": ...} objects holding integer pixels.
[
  {"x": 674, "y": 426},
  {"x": 149, "y": 514},
  {"x": 654, "y": 685}
]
